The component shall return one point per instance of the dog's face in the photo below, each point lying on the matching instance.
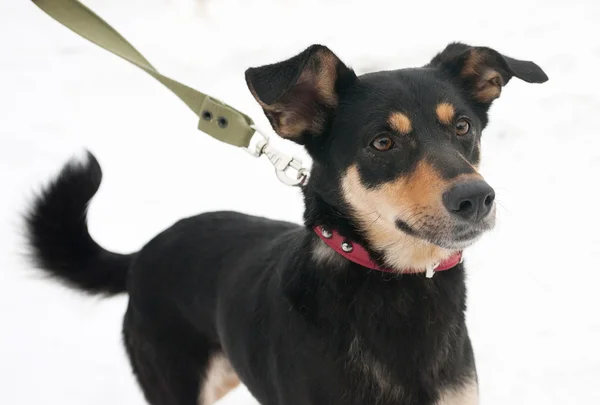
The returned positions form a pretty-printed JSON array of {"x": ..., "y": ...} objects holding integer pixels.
[{"x": 397, "y": 150}]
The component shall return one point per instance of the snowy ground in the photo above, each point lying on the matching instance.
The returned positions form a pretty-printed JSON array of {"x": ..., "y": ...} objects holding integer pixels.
[{"x": 533, "y": 304}]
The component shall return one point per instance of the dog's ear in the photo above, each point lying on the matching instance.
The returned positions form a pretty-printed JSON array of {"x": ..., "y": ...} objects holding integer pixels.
[
  {"x": 482, "y": 72},
  {"x": 300, "y": 94}
]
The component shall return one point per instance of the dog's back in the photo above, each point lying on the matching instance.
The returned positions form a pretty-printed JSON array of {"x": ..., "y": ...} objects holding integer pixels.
[{"x": 173, "y": 281}]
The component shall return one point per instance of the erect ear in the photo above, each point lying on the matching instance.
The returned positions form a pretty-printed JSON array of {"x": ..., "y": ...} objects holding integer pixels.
[
  {"x": 482, "y": 72},
  {"x": 300, "y": 94}
]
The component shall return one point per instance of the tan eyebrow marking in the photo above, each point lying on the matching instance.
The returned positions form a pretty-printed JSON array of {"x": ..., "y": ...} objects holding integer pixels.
[
  {"x": 400, "y": 122},
  {"x": 445, "y": 113}
]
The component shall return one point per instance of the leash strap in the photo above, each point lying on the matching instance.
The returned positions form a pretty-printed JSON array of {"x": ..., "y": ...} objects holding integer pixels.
[{"x": 216, "y": 118}]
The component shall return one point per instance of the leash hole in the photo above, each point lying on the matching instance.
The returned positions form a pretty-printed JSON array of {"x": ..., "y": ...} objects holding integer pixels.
[
  {"x": 207, "y": 115},
  {"x": 222, "y": 121}
]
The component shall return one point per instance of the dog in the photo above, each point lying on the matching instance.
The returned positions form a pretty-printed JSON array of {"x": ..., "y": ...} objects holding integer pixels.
[{"x": 352, "y": 308}]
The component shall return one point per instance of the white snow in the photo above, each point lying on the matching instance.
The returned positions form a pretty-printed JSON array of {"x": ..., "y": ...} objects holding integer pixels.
[{"x": 534, "y": 303}]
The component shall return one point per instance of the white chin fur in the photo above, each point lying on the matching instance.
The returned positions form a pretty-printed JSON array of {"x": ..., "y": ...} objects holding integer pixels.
[{"x": 462, "y": 244}]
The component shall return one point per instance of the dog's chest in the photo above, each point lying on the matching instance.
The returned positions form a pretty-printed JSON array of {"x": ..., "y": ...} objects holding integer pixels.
[
  {"x": 379, "y": 379},
  {"x": 375, "y": 375},
  {"x": 405, "y": 349}
]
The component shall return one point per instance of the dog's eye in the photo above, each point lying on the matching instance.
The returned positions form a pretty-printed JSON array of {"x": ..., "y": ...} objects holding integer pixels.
[
  {"x": 462, "y": 126},
  {"x": 382, "y": 142}
]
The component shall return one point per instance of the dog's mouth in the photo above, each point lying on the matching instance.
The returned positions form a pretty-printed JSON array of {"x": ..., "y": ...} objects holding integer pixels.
[{"x": 447, "y": 232}]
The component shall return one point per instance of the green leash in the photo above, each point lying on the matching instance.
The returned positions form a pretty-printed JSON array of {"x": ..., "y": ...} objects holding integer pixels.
[{"x": 216, "y": 118}]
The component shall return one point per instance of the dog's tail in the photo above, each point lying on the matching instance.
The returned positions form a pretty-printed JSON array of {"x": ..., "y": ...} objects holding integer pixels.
[{"x": 58, "y": 238}]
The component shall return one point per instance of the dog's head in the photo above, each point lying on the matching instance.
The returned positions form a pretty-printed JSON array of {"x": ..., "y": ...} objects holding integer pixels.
[{"x": 395, "y": 151}]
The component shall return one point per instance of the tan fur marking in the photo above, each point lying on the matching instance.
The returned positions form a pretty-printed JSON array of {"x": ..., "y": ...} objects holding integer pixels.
[
  {"x": 409, "y": 198},
  {"x": 378, "y": 372},
  {"x": 465, "y": 395},
  {"x": 487, "y": 94},
  {"x": 493, "y": 77},
  {"x": 400, "y": 122},
  {"x": 291, "y": 125},
  {"x": 488, "y": 82},
  {"x": 472, "y": 64},
  {"x": 445, "y": 113},
  {"x": 489, "y": 86},
  {"x": 327, "y": 77},
  {"x": 220, "y": 379}
]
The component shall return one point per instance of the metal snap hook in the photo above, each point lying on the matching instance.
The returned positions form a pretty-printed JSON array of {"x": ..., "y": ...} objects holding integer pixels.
[{"x": 289, "y": 169}]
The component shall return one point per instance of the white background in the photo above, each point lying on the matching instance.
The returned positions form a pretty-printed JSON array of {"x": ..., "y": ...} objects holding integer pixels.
[{"x": 533, "y": 304}]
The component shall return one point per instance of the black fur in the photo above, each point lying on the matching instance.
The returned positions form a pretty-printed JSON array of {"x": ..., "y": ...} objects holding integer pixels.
[
  {"x": 58, "y": 235},
  {"x": 297, "y": 330}
]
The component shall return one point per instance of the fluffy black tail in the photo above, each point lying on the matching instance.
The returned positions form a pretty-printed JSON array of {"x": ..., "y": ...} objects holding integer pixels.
[{"x": 58, "y": 236}]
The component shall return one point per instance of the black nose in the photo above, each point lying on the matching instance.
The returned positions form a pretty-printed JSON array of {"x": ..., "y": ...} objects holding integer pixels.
[{"x": 470, "y": 201}]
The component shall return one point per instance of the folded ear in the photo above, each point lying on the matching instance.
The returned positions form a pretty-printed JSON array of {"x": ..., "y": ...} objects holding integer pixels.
[
  {"x": 482, "y": 72},
  {"x": 300, "y": 94}
]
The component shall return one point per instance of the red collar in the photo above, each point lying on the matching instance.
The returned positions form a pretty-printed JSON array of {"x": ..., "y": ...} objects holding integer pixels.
[{"x": 358, "y": 254}]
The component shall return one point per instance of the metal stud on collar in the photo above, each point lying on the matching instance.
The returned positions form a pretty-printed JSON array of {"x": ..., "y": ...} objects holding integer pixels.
[
  {"x": 327, "y": 234},
  {"x": 347, "y": 247}
]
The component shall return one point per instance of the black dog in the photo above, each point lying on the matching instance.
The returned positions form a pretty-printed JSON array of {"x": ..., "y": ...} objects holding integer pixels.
[{"x": 298, "y": 317}]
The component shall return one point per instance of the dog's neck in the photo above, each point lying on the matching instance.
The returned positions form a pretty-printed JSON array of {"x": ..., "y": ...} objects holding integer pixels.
[
  {"x": 397, "y": 253},
  {"x": 333, "y": 214},
  {"x": 331, "y": 211}
]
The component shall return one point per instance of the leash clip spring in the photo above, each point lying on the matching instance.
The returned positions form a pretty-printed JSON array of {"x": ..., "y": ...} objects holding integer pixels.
[{"x": 289, "y": 169}]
